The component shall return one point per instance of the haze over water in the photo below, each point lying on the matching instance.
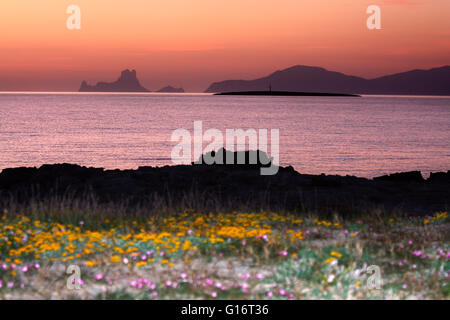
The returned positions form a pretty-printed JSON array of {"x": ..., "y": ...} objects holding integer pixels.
[{"x": 367, "y": 136}]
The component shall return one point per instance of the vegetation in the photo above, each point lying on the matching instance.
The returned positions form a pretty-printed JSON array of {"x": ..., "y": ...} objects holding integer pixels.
[{"x": 233, "y": 255}]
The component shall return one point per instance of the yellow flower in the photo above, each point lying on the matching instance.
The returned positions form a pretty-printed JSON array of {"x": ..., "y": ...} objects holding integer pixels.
[
  {"x": 336, "y": 254},
  {"x": 91, "y": 263},
  {"x": 141, "y": 263},
  {"x": 115, "y": 258},
  {"x": 330, "y": 260},
  {"x": 357, "y": 284},
  {"x": 186, "y": 245}
]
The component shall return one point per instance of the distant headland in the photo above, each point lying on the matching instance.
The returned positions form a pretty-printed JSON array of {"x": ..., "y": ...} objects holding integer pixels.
[
  {"x": 127, "y": 82},
  {"x": 285, "y": 93}
]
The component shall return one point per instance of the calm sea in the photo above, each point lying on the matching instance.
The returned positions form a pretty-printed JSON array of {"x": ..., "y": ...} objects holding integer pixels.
[{"x": 367, "y": 136}]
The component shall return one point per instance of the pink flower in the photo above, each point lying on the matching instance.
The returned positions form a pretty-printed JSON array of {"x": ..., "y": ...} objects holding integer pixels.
[
  {"x": 269, "y": 294},
  {"x": 417, "y": 253},
  {"x": 259, "y": 276},
  {"x": 168, "y": 283},
  {"x": 283, "y": 253},
  {"x": 245, "y": 276},
  {"x": 99, "y": 277},
  {"x": 282, "y": 292},
  {"x": 133, "y": 283},
  {"x": 209, "y": 282},
  {"x": 37, "y": 266},
  {"x": 24, "y": 268},
  {"x": 183, "y": 276},
  {"x": 125, "y": 261},
  {"x": 410, "y": 242},
  {"x": 214, "y": 294}
]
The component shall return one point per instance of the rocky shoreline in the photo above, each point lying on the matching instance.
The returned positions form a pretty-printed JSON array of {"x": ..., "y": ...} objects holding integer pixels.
[{"x": 231, "y": 188}]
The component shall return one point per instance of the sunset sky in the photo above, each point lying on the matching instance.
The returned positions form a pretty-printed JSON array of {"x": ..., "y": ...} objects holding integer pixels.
[{"x": 192, "y": 43}]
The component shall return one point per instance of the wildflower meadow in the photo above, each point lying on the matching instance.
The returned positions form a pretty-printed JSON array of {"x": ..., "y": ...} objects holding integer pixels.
[{"x": 225, "y": 256}]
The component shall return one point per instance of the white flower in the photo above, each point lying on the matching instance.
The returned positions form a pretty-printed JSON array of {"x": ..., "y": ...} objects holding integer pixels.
[{"x": 331, "y": 278}]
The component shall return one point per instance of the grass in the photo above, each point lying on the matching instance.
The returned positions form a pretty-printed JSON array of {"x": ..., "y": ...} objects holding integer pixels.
[{"x": 237, "y": 255}]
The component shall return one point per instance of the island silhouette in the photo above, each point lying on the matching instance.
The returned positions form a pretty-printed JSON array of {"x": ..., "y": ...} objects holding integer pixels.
[
  {"x": 171, "y": 89},
  {"x": 307, "y": 79},
  {"x": 127, "y": 82},
  {"x": 304, "y": 81}
]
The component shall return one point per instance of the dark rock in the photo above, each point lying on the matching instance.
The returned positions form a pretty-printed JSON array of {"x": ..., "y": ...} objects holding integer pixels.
[
  {"x": 243, "y": 159},
  {"x": 229, "y": 188},
  {"x": 412, "y": 176},
  {"x": 439, "y": 177}
]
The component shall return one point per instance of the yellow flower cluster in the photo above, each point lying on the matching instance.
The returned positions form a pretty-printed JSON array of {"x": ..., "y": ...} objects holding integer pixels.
[
  {"x": 438, "y": 216},
  {"x": 334, "y": 255},
  {"x": 327, "y": 223},
  {"x": 35, "y": 239}
]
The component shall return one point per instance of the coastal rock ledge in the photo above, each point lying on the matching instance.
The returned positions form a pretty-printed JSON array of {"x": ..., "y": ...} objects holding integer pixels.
[{"x": 230, "y": 188}]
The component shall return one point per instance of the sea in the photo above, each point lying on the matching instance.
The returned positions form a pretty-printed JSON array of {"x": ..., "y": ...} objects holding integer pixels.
[{"x": 367, "y": 136}]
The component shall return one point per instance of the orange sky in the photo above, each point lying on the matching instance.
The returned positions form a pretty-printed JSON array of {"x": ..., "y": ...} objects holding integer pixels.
[{"x": 192, "y": 43}]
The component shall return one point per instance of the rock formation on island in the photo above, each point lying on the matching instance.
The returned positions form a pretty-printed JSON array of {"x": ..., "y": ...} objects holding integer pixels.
[{"x": 127, "y": 82}]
